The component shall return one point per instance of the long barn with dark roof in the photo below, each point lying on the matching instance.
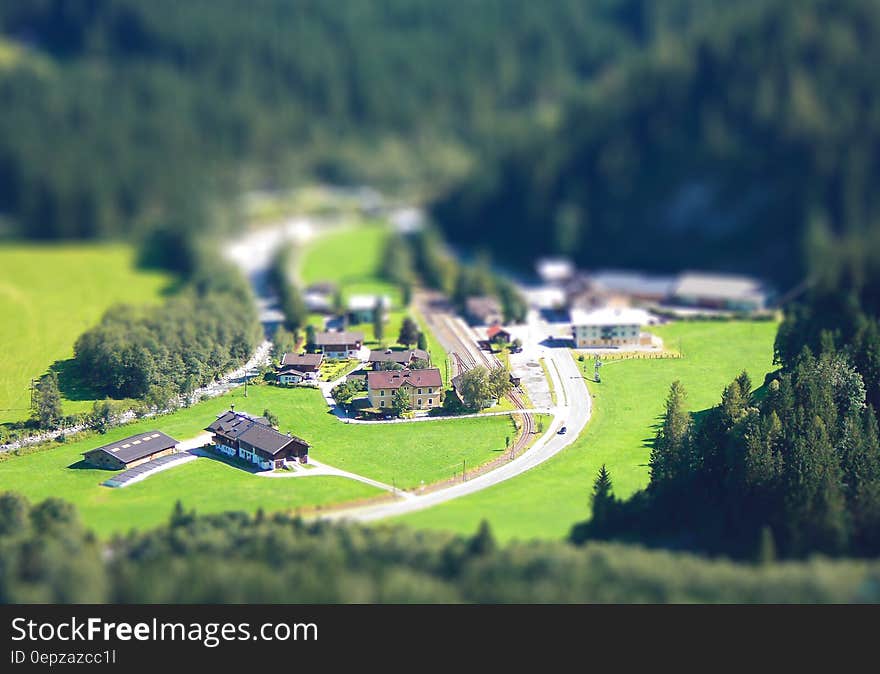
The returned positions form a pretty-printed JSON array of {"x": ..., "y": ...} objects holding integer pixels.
[
  {"x": 131, "y": 451},
  {"x": 253, "y": 439}
]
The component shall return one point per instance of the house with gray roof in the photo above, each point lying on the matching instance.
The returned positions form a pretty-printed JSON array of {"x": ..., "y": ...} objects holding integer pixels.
[
  {"x": 254, "y": 440},
  {"x": 131, "y": 451}
]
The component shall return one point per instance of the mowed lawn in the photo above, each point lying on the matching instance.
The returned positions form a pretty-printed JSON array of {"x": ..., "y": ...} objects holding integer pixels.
[
  {"x": 402, "y": 453},
  {"x": 49, "y": 296},
  {"x": 546, "y": 501}
]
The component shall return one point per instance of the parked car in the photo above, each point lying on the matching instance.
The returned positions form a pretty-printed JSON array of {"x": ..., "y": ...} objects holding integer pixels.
[{"x": 562, "y": 431}]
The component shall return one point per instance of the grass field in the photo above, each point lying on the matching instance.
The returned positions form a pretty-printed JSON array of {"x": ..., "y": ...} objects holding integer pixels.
[
  {"x": 546, "y": 501},
  {"x": 352, "y": 258},
  {"x": 49, "y": 296},
  {"x": 405, "y": 454}
]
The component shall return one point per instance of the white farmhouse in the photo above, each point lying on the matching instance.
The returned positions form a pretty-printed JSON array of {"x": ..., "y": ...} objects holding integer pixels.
[{"x": 612, "y": 327}]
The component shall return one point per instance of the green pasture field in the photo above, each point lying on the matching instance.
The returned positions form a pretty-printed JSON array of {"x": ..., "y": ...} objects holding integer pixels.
[
  {"x": 49, "y": 296},
  {"x": 402, "y": 454},
  {"x": 547, "y": 500}
]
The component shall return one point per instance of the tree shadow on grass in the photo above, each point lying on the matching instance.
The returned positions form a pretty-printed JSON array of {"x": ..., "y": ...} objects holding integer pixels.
[{"x": 71, "y": 382}]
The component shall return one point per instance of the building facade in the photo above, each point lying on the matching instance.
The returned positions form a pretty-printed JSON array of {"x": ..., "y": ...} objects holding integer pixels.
[
  {"x": 610, "y": 328},
  {"x": 424, "y": 388},
  {"x": 340, "y": 344},
  {"x": 132, "y": 451},
  {"x": 252, "y": 439},
  {"x": 296, "y": 368}
]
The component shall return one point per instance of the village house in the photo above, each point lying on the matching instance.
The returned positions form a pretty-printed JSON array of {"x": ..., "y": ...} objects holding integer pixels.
[
  {"x": 554, "y": 271},
  {"x": 131, "y": 451},
  {"x": 424, "y": 387},
  {"x": 483, "y": 310},
  {"x": 611, "y": 327},
  {"x": 634, "y": 286},
  {"x": 319, "y": 297},
  {"x": 360, "y": 308},
  {"x": 718, "y": 291},
  {"x": 389, "y": 359},
  {"x": 296, "y": 368},
  {"x": 254, "y": 440},
  {"x": 495, "y": 334},
  {"x": 339, "y": 344}
]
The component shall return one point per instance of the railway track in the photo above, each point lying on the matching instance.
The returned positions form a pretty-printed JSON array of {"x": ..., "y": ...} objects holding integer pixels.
[{"x": 464, "y": 360}]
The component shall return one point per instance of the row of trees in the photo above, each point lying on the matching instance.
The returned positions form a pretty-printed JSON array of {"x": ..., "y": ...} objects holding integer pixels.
[
  {"x": 426, "y": 251},
  {"x": 48, "y": 556},
  {"x": 158, "y": 353}
]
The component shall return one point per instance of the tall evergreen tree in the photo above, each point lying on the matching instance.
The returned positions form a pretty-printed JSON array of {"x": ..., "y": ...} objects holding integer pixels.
[
  {"x": 379, "y": 321},
  {"x": 602, "y": 499},
  {"x": 48, "y": 410},
  {"x": 409, "y": 332},
  {"x": 669, "y": 457}
]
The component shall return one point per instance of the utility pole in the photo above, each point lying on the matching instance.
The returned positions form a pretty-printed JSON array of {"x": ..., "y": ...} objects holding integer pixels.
[
  {"x": 245, "y": 383},
  {"x": 463, "y": 470}
]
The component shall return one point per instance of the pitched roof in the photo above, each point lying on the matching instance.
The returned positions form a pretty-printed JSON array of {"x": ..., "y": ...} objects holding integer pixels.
[
  {"x": 402, "y": 357},
  {"x": 495, "y": 330},
  {"x": 367, "y": 302},
  {"x": 232, "y": 424},
  {"x": 302, "y": 359},
  {"x": 137, "y": 446},
  {"x": 483, "y": 305},
  {"x": 338, "y": 338},
  {"x": 255, "y": 431},
  {"x": 394, "y": 379},
  {"x": 611, "y": 316},
  {"x": 718, "y": 286},
  {"x": 290, "y": 369},
  {"x": 632, "y": 283}
]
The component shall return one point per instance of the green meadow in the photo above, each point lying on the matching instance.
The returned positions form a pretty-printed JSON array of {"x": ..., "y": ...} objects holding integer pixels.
[
  {"x": 547, "y": 500},
  {"x": 403, "y": 454},
  {"x": 49, "y": 296}
]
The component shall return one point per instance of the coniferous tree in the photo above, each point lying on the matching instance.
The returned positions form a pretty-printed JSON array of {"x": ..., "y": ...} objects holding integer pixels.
[
  {"x": 483, "y": 541},
  {"x": 48, "y": 410},
  {"x": 379, "y": 321},
  {"x": 422, "y": 341},
  {"x": 283, "y": 341},
  {"x": 409, "y": 332},
  {"x": 669, "y": 456},
  {"x": 602, "y": 499}
]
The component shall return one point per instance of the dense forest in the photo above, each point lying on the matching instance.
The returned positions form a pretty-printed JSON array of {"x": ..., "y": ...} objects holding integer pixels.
[
  {"x": 729, "y": 146},
  {"x": 46, "y": 555},
  {"x": 794, "y": 464},
  {"x": 121, "y": 115}
]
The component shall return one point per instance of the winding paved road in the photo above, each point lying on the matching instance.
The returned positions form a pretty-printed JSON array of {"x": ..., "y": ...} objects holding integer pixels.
[{"x": 574, "y": 415}]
